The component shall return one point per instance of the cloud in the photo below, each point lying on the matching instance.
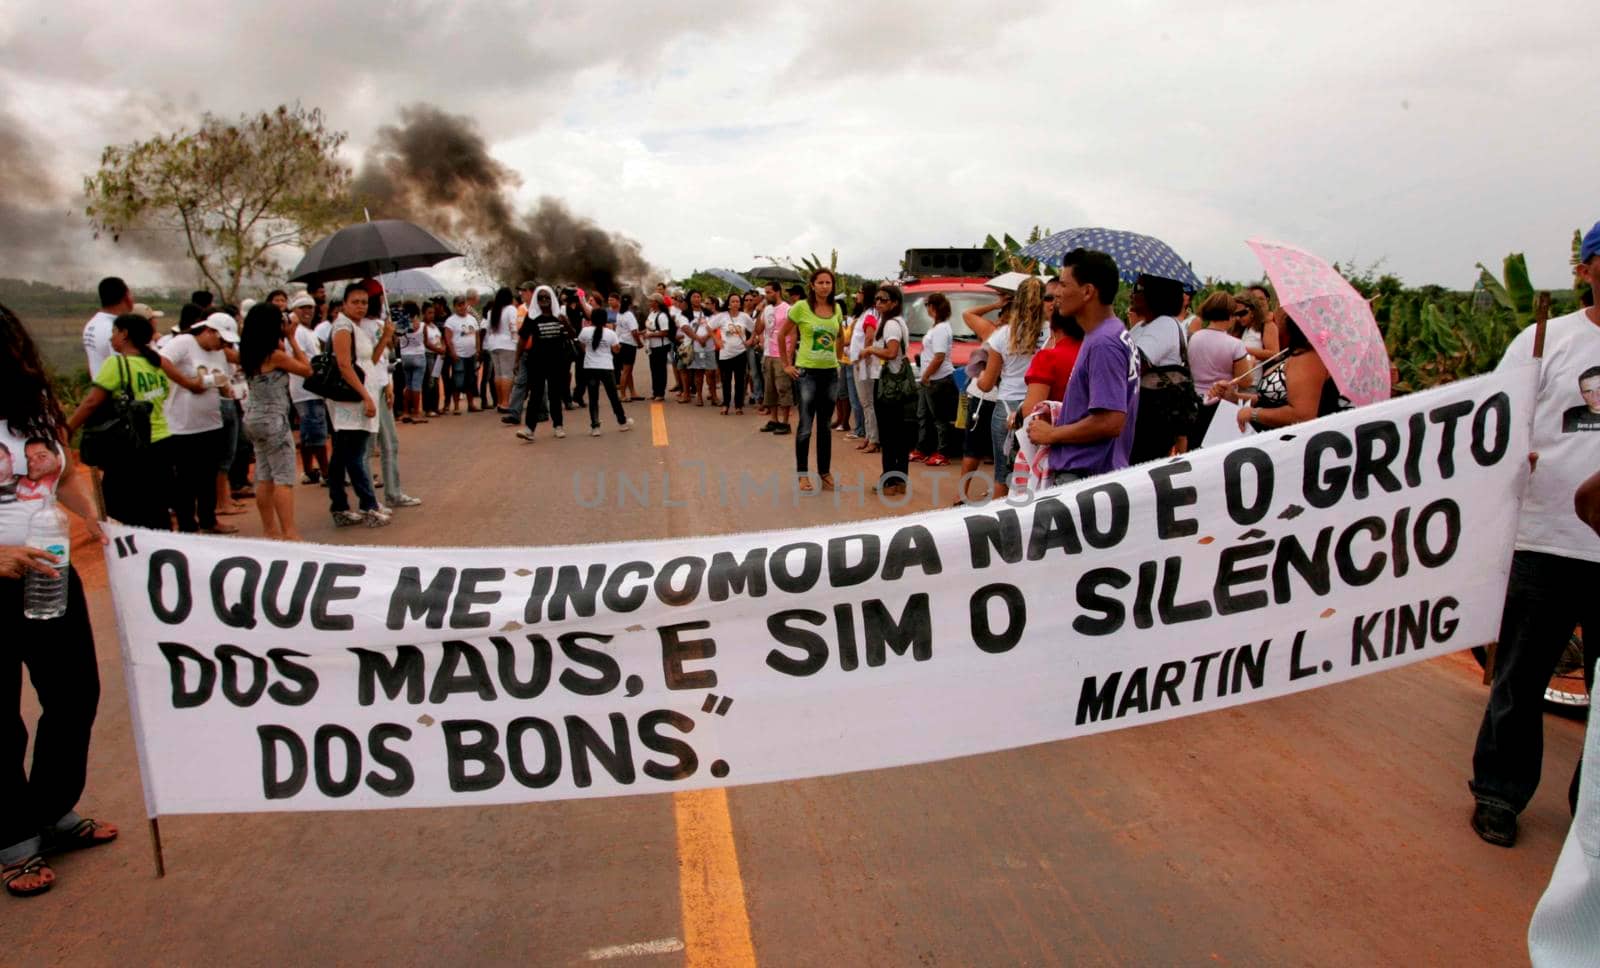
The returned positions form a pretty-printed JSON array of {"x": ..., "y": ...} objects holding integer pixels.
[{"x": 1431, "y": 135}]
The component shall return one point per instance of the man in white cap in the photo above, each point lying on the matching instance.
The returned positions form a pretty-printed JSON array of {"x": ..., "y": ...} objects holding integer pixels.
[
  {"x": 310, "y": 408},
  {"x": 194, "y": 418}
]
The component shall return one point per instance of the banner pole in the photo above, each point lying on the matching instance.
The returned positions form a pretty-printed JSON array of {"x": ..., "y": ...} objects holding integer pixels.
[
  {"x": 155, "y": 843},
  {"x": 1541, "y": 316}
]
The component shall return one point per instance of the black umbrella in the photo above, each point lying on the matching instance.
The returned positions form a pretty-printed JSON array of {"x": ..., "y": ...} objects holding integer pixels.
[
  {"x": 371, "y": 248},
  {"x": 776, "y": 273}
]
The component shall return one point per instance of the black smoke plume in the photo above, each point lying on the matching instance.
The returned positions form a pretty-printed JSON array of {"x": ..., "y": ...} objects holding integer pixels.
[{"x": 435, "y": 169}]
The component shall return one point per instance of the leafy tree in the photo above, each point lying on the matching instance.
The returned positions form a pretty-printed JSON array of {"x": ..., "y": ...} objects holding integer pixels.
[{"x": 234, "y": 190}]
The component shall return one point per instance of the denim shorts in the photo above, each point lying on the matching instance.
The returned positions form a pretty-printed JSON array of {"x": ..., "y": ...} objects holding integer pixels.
[
  {"x": 274, "y": 447},
  {"x": 313, "y": 422},
  {"x": 412, "y": 367}
]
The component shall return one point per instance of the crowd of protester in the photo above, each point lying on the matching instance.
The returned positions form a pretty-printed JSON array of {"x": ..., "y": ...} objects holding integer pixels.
[{"x": 326, "y": 380}]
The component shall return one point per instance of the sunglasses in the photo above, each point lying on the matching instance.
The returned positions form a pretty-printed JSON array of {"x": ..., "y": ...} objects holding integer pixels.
[
  {"x": 882, "y": 299},
  {"x": 1240, "y": 313}
]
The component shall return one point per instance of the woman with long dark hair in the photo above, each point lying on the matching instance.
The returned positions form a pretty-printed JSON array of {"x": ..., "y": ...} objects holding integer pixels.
[
  {"x": 1294, "y": 390},
  {"x": 658, "y": 344},
  {"x": 37, "y": 799},
  {"x": 814, "y": 366},
  {"x": 895, "y": 415},
  {"x": 733, "y": 328},
  {"x": 702, "y": 367},
  {"x": 600, "y": 345},
  {"x": 267, "y": 366},
  {"x": 356, "y": 421},
  {"x": 500, "y": 340},
  {"x": 136, "y": 493}
]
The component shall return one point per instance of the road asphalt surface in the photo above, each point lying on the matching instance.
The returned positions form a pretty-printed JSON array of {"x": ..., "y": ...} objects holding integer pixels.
[{"x": 1325, "y": 828}]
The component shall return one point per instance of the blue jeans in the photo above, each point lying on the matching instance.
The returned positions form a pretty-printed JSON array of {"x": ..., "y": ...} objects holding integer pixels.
[
  {"x": 1546, "y": 597},
  {"x": 519, "y": 391},
  {"x": 388, "y": 444},
  {"x": 350, "y": 460},
  {"x": 1000, "y": 439},
  {"x": 816, "y": 406},
  {"x": 858, "y": 414}
]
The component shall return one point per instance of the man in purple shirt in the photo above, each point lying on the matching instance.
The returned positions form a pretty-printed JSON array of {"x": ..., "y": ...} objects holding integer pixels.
[{"x": 1094, "y": 432}]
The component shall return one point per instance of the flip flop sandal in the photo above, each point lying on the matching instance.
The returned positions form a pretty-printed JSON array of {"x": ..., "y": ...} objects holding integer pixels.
[
  {"x": 26, "y": 868},
  {"x": 83, "y": 835}
]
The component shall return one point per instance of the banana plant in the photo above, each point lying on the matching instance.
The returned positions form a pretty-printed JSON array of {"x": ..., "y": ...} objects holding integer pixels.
[
  {"x": 1515, "y": 292},
  {"x": 1008, "y": 255}
]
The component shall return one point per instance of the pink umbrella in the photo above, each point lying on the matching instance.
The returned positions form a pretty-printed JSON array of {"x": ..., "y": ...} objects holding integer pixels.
[{"x": 1335, "y": 317}]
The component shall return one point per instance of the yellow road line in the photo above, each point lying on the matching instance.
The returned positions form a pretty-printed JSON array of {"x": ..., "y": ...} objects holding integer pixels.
[
  {"x": 716, "y": 927},
  {"x": 658, "y": 425}
]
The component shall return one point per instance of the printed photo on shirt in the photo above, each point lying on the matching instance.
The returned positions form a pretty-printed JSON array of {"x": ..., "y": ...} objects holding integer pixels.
[
  {"x": 40, "y": 472},
  {"x": 1586, "y": 415},
  {"x": 8, "y": 476}
]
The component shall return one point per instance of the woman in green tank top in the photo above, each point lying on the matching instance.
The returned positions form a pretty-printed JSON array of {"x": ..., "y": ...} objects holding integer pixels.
[{"x": 814, "y": 366}]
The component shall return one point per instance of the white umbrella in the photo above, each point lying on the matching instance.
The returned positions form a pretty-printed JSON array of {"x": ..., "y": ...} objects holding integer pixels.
[{"x": 413, "y": 281}]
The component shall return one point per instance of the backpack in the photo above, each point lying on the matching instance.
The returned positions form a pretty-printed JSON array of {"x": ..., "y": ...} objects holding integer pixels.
[{"x": 1167, "y": 392}]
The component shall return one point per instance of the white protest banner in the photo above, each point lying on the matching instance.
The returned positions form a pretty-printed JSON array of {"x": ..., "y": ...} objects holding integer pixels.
[{"x": 281, "y": 676}]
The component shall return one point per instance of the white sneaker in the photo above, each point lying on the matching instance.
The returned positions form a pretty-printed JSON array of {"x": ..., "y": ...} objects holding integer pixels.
[
  {"x": 560, "y": 432},
  {"x": 376, "y": 519},
  {"x": 627, "y": 426},
  {"x": 344, "y": 519},
  {"x": 404, "y": 501},
  {"x": 527, "y": 434},
  {"x": 594, "y": 431}
]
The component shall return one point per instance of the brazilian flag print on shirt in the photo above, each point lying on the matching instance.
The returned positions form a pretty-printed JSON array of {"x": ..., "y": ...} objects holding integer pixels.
[{"x": 816, "y": 349}]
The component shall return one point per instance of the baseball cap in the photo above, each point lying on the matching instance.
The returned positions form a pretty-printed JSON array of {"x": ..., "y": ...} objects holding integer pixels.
[
  {"x": 528, "y": 285},
  {"x": 1591, "y": 244},
  {"x": 223, "y": 324},
  {"x": 304, "y": 299},
  {"x": 140, "y": 309}
]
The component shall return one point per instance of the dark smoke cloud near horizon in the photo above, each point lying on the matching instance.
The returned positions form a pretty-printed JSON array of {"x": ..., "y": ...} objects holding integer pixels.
[
  {"x": 43, "y": 230},
  {"x": 434, "y": 168}
]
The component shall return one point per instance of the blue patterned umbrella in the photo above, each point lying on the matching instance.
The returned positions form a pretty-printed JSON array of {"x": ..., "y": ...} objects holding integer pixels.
[{"x": 1136, "y": 255}]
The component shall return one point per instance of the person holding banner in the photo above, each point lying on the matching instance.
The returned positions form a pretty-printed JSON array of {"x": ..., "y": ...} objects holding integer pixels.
[
  {"x": 1554, "y": 571},
  {"x": 1566, "y": 925},
  {"x": 1296, "y": 389},
  {"x": 37, "y": 814}
]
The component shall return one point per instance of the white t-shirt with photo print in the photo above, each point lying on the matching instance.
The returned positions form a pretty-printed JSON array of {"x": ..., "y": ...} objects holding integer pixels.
[{"x": 1566, "y": 435}]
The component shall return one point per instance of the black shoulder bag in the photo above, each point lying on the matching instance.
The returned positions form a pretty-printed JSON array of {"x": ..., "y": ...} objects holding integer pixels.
[
  {"x": 121, "y": 428},
  {"x": 1169, "y": 390},
  {"x": 326, "y": 380}
]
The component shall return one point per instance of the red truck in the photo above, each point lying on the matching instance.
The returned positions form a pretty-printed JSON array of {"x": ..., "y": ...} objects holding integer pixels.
[{"x": 960, "y": 275}]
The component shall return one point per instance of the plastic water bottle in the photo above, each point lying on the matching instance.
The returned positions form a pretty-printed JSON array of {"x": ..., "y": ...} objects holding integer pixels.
[{"x": 44, "y": 597}]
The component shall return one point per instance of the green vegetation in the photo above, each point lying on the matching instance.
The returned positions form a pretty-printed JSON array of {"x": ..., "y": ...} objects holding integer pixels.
[{"x": 234, "y": 191}]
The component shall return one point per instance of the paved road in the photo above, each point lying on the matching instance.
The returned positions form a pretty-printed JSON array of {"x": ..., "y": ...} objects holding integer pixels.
[{"x": 1324, "y": 828}]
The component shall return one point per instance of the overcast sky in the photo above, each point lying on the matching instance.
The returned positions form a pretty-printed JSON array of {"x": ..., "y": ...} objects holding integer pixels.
[{"x": 1428, "y": 134}]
